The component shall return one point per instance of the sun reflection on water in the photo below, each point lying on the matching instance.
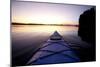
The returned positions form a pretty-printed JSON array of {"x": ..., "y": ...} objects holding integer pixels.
[{"x": 41, "y": 28}]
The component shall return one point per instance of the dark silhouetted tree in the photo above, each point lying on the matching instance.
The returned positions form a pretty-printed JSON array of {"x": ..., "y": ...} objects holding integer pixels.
[
  {"x": 87, "y": 26},
  {"x": 87, "y": 33}
]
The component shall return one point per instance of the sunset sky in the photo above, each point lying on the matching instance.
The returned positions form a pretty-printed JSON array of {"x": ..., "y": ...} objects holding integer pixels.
[{"x": 46, "y": 13}]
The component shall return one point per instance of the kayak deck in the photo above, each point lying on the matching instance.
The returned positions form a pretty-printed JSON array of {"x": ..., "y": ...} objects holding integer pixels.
[{"x": 55, "y": 50}]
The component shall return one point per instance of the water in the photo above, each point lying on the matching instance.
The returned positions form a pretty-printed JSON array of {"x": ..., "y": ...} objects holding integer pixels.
[
  {"x": 24, "y": 36},
  {"x": 27, "y": 38},
  {"x": 47, "y": 29}
]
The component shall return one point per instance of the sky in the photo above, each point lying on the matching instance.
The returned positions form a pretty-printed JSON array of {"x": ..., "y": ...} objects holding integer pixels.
[{"x": 46, "y": 13}]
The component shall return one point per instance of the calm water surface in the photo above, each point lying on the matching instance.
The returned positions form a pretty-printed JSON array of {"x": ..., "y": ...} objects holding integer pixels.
[{"x": 30, "y": 37}]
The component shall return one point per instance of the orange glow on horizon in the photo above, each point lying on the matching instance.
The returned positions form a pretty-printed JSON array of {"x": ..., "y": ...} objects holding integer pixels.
[{"x": 47, "y": 19}]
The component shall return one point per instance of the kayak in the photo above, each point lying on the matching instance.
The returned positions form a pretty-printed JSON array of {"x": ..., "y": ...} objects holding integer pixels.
[{"x": 55, "y": 50}]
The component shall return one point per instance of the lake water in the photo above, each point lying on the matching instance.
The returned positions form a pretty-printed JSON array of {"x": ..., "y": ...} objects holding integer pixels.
[
  {"x": 27, "y": 38},
  {"x": 24, "y": 36}
]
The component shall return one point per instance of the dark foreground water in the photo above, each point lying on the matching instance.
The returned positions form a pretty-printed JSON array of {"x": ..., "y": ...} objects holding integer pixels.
[{"x": 26, "y": 39}]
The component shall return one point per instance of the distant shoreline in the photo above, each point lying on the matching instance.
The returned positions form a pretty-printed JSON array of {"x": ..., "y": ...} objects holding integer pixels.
[{"x": 46, "y": 24}]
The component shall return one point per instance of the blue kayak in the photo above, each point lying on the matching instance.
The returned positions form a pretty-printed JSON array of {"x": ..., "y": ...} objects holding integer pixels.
[{"x": 55, "y": 50}]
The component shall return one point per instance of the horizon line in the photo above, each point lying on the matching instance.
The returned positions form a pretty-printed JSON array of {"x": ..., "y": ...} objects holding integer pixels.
[{"x": 44, "y": 24}]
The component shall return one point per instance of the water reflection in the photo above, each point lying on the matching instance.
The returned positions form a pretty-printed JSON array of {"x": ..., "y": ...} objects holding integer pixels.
[
  {"x": 43, "y": 29},
  {"x": 28, "y": 38}
]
